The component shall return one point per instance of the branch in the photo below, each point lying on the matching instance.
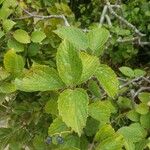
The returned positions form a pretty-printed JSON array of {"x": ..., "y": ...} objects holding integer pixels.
[
  {"x": 108, "y": 20},
  {"x": 129, "y": 82},
  {"x": 123, "y": 20},
  {"x": 30, "y": 15},
  {"x": 146, "y": 79},
  {"x": 140, "y": 90},
  {"x": 103, "y": 14},
  {"x": 120, "y": 40},
  {"x": 135, "y": 40}
]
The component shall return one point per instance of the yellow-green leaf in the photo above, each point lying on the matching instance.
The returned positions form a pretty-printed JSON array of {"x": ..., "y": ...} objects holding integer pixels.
[
  {"x": 13, "y": 44},
  {"x": 7, "y": 88},
  {"x": 74, "y": 35},
  {"x": 37, "y": 36},
  {"x": 73, "y": 108},
  {"x": 127, "y": 71},
  {"x": 69, "y": 64},
  {"x": 40, "y": 78},
  {"x": 108, "y": 80},
  {"x": 90, "y": 64},
  {"x": 21, "y": 36},
  {"x": 13, "y": 62},
  {"x": 134, "y": 133},
  {"x": 142, "y": 108},
  {"x": 101, "y": 111},
  {"x": 3, "y": 74},
  {"x": 104, "y": 132},
  {"x": 8, "y": 24},
  {"x": 57, "y": 127},
  {"x": 97, "y": 38},
  {"x": 114, "y": 142}
]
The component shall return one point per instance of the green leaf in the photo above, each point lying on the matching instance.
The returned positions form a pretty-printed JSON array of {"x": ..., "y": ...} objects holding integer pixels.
[
  {"x": 74, "y": 35},
  {"x": 5, "y": 13},
  {"x": 8, "y": 25},
  {"x": 112, "y": 143},
  {"x": 92, "y": 126},
  {"x": 142, "y": 108},
  {"x": 129, "y": 145},
  {"x": 97, "y": 38},
  {"x": 5, "y": 135},
  {"x": 13, "y": 44},
  {"x": 145, "y": 120},
  {"x": 57, "y": 127},
  {"x": 90, "y": 64},
  {"x": 134, "y": 133},
  {"x": 94, "y": 88},
  {"x": 133, "y": 115},
  {"x": 21, "y": 36},
  {"x": 127, "y": 71},
  {"x": 142, "y": 144},
  {"x": 108, "y": 80},
  {"x": 144, "y": 97},
  {"x": 73, "y": 108},
  {"x": 13, "y": 63},
  {"x": 51, "y": 106},
  {"x": 124, "y": 102},
  {"x": 38, "y": 36},
  {"x": 71, "y": 141},
  {"x": 10, "y": 3},
  {"x": 40, "y": 78},
  {"x": 1, "y": 1},
  {"x": 33, "y": 49},
  {"x": 139, "y": 72},
  {"x": 7, "y": 88},
  {"x": 104, "y": 132},
  {"x": 38, "y": 142},
  {"x": 1, "y": 34},
  {"x": 3, "y": 74},
  {"x": 101, "y": 111},
  {"x": 69, "y": 64}
]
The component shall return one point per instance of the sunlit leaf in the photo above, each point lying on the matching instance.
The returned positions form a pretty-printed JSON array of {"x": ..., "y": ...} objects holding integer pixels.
[
  {"x": 40, "y": 78},
  {"x": 21, "y": 36},
  {"x": 13, "y": 62},
  {"x": 74, "y": 35},
  {"x": 108, "y": 80},
  {"x": 73, "y": 108},
  {"x": 69, "y": 64},
  {"x": 97, "y": 38}
]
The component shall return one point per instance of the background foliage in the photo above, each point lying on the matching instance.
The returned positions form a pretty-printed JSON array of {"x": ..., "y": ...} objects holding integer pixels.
[{"x": 68, "y": 82}]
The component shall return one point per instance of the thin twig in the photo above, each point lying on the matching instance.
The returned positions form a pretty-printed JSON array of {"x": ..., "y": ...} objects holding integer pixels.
[
  {"x": 146, "y": 79},
  {"x": 103, "y": 14},
  {"x": 120, "y": 40},
  {"x": 129, "y": 82},
  {"x": 135, "y": 40},
  {"x": 91, "y": 146},
  {"x": 31, "y": 15},
  {"x": 132, "y": 92},
  {"x": 123, "y": 20},
  {"x": 140, "y": 90},
  {"x": 108, "y": 20}
]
